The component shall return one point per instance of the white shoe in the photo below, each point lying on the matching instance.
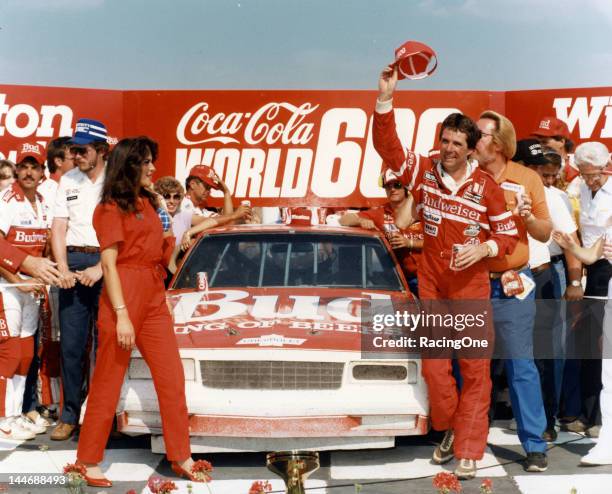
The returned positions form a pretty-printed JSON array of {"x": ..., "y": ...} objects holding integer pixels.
[
  {"x": 594, "y": 459},
  {"x": 38, "y": 419},
  {"x": 27, "y": 424},
  {"x": 10, "y": 430}
]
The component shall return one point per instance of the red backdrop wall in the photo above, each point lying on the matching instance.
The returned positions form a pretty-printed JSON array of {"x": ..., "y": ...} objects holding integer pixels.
[{"x": 284, "y": 147}]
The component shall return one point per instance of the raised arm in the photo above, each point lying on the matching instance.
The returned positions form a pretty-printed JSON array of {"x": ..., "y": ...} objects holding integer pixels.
[{"x": 384, "y": 132}]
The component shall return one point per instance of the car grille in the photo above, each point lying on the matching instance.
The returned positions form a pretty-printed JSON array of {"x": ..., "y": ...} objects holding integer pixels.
[{"x": 265, "y": 374}]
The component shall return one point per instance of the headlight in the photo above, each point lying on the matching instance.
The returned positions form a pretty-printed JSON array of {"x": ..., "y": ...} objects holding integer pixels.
[
  {"x": 139, "y": 369},
  {"x": 404, "y": 372}
]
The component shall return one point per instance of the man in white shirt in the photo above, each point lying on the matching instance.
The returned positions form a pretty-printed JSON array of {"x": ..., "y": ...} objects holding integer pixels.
[
  {"x": 44, "y": 385},
  {"x": 595, "y": 212},
  {"x": 198, "y": 185},
  {"x": 77, "y": 252}
]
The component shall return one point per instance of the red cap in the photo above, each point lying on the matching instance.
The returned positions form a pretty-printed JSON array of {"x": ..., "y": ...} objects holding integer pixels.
[
  {"x": 207, "y": 175},
  {"x": 30, "y": 150},
  {"x": 415, "y": 60},
  {"x": 550, "y": 127}
]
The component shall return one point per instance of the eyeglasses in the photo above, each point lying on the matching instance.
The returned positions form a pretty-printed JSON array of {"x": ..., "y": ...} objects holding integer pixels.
[
  {"x": 80, "y": 150},
  {"x": 395, "y": 185},
  {"x": 176, "y": 197},
  {"x": 591, "y": 177}
]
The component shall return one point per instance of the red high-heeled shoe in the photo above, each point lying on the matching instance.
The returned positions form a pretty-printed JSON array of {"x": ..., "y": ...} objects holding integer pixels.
[
  {"x": 95, "y": 482},
  {"x": 181, "y": 472}
]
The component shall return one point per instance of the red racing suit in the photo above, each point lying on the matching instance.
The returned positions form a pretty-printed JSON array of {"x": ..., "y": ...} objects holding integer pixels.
[{"x": 474, "y": 214}]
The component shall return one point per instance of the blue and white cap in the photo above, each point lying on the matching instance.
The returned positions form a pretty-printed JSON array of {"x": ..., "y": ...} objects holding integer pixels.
[{"x": 88, "y": 131}]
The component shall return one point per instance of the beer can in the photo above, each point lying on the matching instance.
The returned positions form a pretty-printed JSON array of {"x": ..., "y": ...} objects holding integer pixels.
[
  {"x": 285, "y": 216},
  {"x": 322, "y": 215},
  {"x": 453, "y": 260},
  {"x": 390, "y": 229},
  {"x": 511, "y": 283},
  {"x": 202, "y": 281},
  {"x": 245, "y": 203},
  {"x": 519, "y": 200}
]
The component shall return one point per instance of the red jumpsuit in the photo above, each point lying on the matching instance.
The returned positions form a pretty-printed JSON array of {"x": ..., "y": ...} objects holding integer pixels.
[
  {"x": 475, "y": 213},
  {"x": 142, "y": 249}
]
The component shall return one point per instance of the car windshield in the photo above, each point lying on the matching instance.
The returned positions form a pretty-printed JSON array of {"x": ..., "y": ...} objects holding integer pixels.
[{"x": 290, "y": 260}]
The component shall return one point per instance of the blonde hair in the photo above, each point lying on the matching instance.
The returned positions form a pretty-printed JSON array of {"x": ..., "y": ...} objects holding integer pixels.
[{"x": 504, "y": 134}]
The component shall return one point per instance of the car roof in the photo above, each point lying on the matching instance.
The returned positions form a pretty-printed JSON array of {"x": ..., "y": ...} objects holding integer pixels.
[{"x": 277, "y": 228}]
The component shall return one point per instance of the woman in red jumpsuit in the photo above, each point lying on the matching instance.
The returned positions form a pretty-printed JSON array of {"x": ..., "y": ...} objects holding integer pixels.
[{"x": 133, "y": 309}]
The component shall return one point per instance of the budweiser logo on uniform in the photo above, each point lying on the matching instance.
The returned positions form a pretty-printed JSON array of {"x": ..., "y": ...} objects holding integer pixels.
[{"x": 30, "y": 238}]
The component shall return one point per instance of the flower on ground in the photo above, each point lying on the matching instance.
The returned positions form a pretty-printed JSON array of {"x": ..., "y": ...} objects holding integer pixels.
[
  {"x": 486, "y": 487},
  {"x": 161, "y": 486},
  {"x": 260, "y": 487},
  {"x": 446, "y": 483},
  {"x": 76, "y": 473},
  {"x": 201, "y": 470}
]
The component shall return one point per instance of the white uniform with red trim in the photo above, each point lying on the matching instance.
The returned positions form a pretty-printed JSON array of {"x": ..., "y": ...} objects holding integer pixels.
[{"x": 26, "y": 227}]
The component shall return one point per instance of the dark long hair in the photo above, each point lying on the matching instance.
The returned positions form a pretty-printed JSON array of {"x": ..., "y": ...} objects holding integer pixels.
[{"x": 123, "y": 170}]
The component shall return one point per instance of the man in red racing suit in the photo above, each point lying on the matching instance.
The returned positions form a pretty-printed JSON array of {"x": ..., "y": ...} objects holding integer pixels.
[{"x": 462, "y": 208}]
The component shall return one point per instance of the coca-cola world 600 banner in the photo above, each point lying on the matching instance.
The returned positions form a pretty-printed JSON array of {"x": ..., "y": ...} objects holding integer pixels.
[{"x": 284, "y": 147}]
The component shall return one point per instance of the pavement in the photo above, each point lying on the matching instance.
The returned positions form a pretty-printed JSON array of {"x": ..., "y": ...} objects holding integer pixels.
[{"x": 405, "y": 469}]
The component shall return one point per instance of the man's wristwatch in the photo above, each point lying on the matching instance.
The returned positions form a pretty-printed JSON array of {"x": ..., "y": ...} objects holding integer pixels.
[{"x": 576, "y": 283}]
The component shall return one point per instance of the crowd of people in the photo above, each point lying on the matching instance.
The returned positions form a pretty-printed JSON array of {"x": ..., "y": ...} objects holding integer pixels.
[{"x": 87, "y": 244}]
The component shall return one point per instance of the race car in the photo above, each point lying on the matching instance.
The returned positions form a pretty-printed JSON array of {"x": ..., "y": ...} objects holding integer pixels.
[{"x": 270, "y": 322}]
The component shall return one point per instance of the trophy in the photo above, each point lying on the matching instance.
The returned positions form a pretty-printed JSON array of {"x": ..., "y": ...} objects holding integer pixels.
[{"x": 293, "y": 467}]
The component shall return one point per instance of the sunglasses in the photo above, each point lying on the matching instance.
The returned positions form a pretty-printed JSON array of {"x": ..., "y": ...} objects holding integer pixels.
[
  {"x": 6, "y": 177},
  {"x": 393, "y": 185},
  {"x": 80, "y": 150},
  {"x": 176, "y": 197}
]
